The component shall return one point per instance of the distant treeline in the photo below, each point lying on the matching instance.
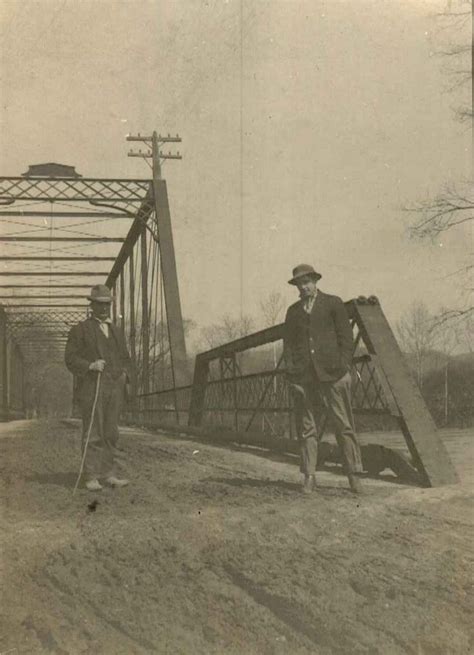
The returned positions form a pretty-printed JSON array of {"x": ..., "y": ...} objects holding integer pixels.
[{"x": 449, "y": 391}]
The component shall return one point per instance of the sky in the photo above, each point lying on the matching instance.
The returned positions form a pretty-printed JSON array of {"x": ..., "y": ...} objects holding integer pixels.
[{"x": 307, "y": 125}]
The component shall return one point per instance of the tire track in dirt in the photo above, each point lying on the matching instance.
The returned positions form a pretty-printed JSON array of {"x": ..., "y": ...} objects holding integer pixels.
[
  {"x": 44, "y": 636},
  {"x": 148, "y": 646},
  {"x": 292, "y": 615}
]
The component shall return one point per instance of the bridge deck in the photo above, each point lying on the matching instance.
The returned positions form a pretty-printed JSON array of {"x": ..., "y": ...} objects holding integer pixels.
[{"x": 213, "y": 550}]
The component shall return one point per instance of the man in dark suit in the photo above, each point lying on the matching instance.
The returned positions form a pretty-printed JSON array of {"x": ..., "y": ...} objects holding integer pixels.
[
  {"x": 318, "y": 347},
  {"x": 96, "y": 345}
]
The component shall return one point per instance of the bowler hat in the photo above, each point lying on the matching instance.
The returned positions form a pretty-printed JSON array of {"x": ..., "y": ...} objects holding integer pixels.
[
  {"x": 301, "y": 271},
  {"x": 100, "y": 293}
]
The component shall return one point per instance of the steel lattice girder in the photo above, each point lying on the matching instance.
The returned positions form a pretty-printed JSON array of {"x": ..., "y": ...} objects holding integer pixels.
[
  {"x": 245, "y": 393},
  {"x": 367, "y": 390},
  {"x": 46, "y": 337},
  {"x": 45, "y": 306},
  {"x": 39, "y": 318},
  {"x": 44, "y": 286},
  {"x": 53, "y": 258},
  {"x": 50, "y": 239},
  {"x": 98, "y": 190},
  {"x": 28, "y": 329},
  {"x": 42, "y": 297},
  {"x": 55, "y": 273}
]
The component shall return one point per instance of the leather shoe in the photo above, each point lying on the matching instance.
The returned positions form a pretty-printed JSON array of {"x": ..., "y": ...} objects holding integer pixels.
[
  {"x": 94, "y": 485},
  {"x": 117, "y": 482},
  {"x": 309, "y": 484},
  {"x": 355, "y": 484}
]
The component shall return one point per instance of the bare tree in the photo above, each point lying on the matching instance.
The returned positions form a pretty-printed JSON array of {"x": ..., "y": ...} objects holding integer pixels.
[
  {"x": 454, "y": 206},
  {"x": 447, "y": 341},
  {"x": 272, "y": 308},
  {"x": 228, "y": 329},
  {"x": 159, "y": 352},
  {"x": 160, "y": 343},
  {"x": 463, "y": 328},
  {"x": 455, "y": 49},
  {"x": 417, "y": 337},
  {"x": 451, "y": 208}
]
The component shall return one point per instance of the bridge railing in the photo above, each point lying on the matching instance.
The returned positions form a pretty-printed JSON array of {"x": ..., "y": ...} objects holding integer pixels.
[
  {"x": 236, "y": 392},
  {"x": 162, "y": 408},
  {"x": 241, "y": 386}
]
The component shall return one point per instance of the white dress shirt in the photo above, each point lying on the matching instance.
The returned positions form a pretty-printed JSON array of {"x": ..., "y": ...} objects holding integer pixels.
[
  {"x": 309, "y": 302},
  {"x": 104, "y": 325}
]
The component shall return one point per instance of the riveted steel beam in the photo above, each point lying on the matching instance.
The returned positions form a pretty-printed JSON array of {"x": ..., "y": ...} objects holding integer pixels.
[
  {"x": 28, "y": 213},
  {"x": 47, "y": 273},
  {"x": 131, "y": 239},
  {"x": 44, "y": 286},
  {"x": 41, "y": 258},
  {"x": 55, "y": 297},
  {"x": 75, "y": 239}
]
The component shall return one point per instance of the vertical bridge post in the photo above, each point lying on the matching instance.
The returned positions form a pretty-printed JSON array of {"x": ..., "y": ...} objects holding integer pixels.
[
  {"x": 145, "y": 327},
  {"x": 4, "y": 413},
  {"x": 170, "y": 283},
  {"x": 418, "y": 427}
]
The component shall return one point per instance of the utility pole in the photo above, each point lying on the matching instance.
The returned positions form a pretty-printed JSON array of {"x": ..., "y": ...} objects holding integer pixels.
[
  {"x": 154, "y": 153},
  {"x": 168, "y": 260}
]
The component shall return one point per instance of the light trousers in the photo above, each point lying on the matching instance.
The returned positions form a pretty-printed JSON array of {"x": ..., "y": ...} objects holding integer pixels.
[
  {"x": 100, "y": 459},
  {"x": 335, "y": 397}
]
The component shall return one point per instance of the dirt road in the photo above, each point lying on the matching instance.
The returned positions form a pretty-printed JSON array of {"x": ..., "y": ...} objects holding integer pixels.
[{"x": 214, "y": 551}]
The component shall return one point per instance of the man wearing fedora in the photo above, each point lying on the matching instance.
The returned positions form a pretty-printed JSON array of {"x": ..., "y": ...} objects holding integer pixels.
[
  {"x": 96, "y": 346},
  {"x": 318, "y": 347}
]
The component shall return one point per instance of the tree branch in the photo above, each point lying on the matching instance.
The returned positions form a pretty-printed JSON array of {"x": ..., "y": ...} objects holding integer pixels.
[{"x": 450, "y": 209}]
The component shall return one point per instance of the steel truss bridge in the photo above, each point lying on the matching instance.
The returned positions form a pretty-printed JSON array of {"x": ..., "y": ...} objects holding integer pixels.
[{"x": 60, "y": 235}]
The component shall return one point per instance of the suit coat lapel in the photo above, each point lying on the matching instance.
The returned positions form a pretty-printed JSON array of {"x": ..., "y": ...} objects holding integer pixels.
[
  {"x": 300, "y": 307},
  {"x": 317, "y": 305},
  {"x": 318, "y": 301},
  {"x": 115, "y": 333},
  {"x": 94, "y": 326}
]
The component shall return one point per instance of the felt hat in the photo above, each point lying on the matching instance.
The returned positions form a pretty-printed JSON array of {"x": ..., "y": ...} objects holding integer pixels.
[
  {"x": 301, "y": 271},
  {"x": 100, "y": 293}
]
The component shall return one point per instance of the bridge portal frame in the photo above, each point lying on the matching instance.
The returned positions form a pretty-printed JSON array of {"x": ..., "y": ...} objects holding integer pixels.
[{"x": 136, "y": 199}]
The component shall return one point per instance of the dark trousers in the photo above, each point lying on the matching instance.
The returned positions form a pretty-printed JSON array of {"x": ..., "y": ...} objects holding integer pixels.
[
  {"x": 100, "y": 460},
  {"x": 335, "y": 397}
]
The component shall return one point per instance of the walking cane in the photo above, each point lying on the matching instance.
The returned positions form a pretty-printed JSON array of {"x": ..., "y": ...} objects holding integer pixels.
[{"x": 97, "y": 386}]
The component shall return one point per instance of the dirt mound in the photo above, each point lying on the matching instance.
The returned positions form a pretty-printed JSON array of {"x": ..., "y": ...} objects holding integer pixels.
[{"x": 213, "y": 551}]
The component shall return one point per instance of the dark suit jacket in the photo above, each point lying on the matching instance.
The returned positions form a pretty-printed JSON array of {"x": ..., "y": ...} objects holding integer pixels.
[
  {"x": 321, "y": 341},
  {"x": 84, "y": 347}
]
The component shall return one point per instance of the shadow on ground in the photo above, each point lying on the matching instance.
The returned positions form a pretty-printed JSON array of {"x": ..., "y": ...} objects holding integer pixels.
[
  {"x": 290, "y": 488},
  {"x": 67, "y": 480}
]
